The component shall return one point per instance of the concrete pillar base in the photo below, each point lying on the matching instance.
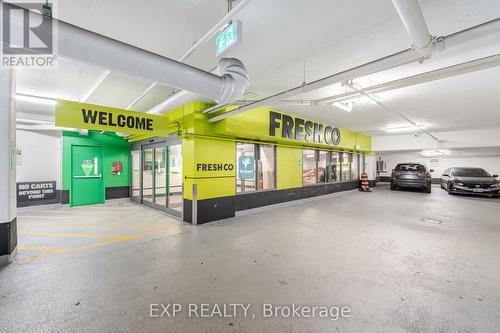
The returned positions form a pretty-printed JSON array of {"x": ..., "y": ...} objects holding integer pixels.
[
  {"x": 8, "y": 258},
  {"x": 8, "y": 241}
]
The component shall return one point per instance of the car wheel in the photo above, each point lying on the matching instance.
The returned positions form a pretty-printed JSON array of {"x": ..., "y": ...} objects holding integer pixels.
[
  {"x": 428, "y": 189},
  {"x": 450, "y": 189},
  {"x": 393, "y": 187}
]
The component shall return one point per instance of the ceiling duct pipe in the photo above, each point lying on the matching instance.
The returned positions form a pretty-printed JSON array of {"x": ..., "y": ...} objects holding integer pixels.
[
  {"x": 413, "y": 20},
  {"x": 80, "y": 45},
  {"x": 236, "y": 81},
  {"x": 182, "y": 97}
]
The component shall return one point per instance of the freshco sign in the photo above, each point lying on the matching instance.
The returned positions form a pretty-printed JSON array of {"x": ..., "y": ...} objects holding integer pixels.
[{"x": 303, "y": 130}]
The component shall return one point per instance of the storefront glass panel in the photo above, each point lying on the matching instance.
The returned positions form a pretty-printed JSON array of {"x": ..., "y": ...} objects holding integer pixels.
[
  {"x": 266, "y": 167},
  {"x": 333, "y": 167},
  {"x": 346, "y": 166},
  {"x": 246, "y": 174},
  {"x": 147, "y": 176},
  {"x": 160, "y": 173},
  {"x": 354, "y": 166},
  {"x": 322, "y": 166},
  {"x": 175, "y": 177},
  {"x": 309, "y": 170},
  {"x": 136, "y": 175}
]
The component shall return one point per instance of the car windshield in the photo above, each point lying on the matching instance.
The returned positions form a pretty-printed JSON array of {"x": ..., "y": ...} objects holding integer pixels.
[
  {"x": 410, "y": 167},
  {"x": 470, "y": 173}
]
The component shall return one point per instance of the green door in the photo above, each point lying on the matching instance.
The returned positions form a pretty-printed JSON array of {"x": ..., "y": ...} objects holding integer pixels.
[{"x": 87, "y": 187}]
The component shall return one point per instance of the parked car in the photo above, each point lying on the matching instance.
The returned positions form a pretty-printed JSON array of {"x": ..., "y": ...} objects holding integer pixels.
[
  {"x": 412, "y": 175},
  {"x": 471, "y": 181}
]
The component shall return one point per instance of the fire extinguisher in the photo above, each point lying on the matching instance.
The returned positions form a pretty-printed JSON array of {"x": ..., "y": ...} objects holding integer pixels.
[{"x": 117, "y": 168}]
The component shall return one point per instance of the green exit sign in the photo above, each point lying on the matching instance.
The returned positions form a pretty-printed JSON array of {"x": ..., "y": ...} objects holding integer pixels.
[{"x": 228, "y": 38}]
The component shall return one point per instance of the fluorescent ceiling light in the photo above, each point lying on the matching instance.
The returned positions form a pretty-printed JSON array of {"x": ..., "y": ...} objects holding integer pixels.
[
  {"x": 435, "y": 152},
  {"x": 344, "y": 106},
  {"x": 34, "y": 99},
  {"x": 405, "y": 128}
]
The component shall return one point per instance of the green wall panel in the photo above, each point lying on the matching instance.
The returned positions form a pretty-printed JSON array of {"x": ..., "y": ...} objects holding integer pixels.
[{"x": 115, "y": 149}]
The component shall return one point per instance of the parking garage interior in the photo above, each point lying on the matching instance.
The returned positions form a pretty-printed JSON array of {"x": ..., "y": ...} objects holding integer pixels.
[{"x": 337, "y": 157}]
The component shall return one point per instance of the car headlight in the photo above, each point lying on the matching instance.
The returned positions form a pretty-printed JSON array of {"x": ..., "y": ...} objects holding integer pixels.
[
  {"x": 459, "y": 184},
  {"x": 495, "y": 185}
]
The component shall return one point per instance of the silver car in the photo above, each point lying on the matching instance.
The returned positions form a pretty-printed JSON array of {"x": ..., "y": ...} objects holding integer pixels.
[{"x": 470, "y": 181}]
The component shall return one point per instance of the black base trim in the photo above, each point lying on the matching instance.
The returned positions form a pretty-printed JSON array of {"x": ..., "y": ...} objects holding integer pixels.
[
  {"x": 264, "y": 198},
  {"x": 210, "y": 209},
  {"x": 65, "y": 196},
  {"x": 8, "y": 237},
  {"x": 117, "y": 192}
]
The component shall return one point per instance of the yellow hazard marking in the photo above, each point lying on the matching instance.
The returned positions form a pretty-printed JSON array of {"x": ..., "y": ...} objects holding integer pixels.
[
  {"x": 93, "y": 218},
  {"x": 125, "y": 226},
  {"x": 61, "y": 234},
  {"x": 119, "y": 212},
  {"x": 115, "y": 239}
]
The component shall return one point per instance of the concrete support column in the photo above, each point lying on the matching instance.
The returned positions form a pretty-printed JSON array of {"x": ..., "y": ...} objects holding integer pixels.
[{"x": 8, "y": 213}]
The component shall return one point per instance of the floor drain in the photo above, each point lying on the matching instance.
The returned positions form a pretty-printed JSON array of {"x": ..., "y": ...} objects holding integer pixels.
[{"x": 425, "y": 219}]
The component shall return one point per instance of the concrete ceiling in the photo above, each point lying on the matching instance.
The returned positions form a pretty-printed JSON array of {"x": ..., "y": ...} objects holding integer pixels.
[{"x": 281, "y": 38}]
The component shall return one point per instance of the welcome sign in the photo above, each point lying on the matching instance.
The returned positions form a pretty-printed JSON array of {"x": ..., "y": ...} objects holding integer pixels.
[{"x": 103, "y": 118}]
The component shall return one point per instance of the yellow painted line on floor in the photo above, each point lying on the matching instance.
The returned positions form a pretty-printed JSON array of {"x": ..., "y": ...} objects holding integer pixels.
[
  {"x": 53, "y": 251},
  {"x": 61, "y": 234},
  {"x": 93, "y": 218},
  {"x": 43, "y": 249},
  {"x": 124, "y": 226},
  {"x": 90, "y": 211}
]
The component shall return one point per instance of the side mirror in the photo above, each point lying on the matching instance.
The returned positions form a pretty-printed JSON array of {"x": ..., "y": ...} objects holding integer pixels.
[
  {"x": 431, "y": 170},
  {"x": 495, "y": 176}
]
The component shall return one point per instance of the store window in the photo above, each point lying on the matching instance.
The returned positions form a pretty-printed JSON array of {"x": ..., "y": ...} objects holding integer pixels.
[
  {"x": 245, "y": 167},
  {"x": 266, "y": 167},
  {"x": 309, "y": 174},
  {"x": 323, "y": 157},
  {"x": 255, "y": 167},
  {"x": 346, "y": 159},
  {"x": 354, "y": 166},
  {"x": 333, "y": 168}
]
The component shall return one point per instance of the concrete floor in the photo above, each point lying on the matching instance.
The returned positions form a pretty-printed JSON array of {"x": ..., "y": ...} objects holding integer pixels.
[{"x": 373, "y": 252}]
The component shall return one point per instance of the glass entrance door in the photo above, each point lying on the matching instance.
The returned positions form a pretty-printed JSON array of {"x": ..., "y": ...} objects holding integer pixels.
[
  {"x": 160, "y": 171},
  {"x": 161, "y": 178},
  {"x": 147, "y": 176}
]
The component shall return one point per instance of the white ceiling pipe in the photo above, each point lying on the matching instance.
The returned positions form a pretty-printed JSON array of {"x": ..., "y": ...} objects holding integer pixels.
[
  {"x": 235, "y": 76},
  {"x": 441, "y": 73},
  {"x": 414, "y": 22},
  {"x": 33, "y": 121},
  {"x": 178, "y": 99},
  {"x": 84, "y": 46}
]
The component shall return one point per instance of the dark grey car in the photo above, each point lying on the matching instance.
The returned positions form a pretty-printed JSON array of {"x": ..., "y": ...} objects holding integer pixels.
[
  {"x": 471, "y": 181},
  {"x": 412, "y": 175}
]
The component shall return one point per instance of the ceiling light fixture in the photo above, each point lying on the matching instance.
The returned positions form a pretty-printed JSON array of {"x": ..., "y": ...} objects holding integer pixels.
[
  {"x": 344, "y": 106},
  {"x": 435, "y": 152},
  {"x": 36, "y": 99}
]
